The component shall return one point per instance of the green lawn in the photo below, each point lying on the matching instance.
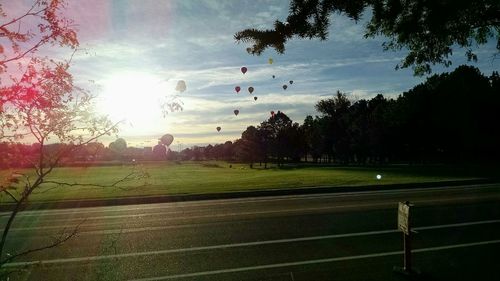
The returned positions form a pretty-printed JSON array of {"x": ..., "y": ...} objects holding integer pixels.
[{"x": 213, "y": 177}]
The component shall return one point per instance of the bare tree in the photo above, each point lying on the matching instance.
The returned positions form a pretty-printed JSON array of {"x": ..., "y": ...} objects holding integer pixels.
[{"x": 39, "y": 103}]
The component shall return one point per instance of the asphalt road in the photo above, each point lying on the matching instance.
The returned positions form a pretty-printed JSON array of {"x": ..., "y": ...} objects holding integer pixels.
[{"x": 347, "y": 236}]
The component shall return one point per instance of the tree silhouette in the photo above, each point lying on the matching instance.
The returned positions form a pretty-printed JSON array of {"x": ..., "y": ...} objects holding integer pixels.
[
  {"x": 250, "y": 146},
  {"x": 336, "y": 112},
  {"x": 118, "y": 147},
  {"x": 282, "y": 138},
  {"x": 427, "y": 29}
]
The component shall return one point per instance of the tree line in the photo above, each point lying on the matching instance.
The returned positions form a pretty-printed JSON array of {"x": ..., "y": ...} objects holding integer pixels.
[{"x": 451, "y": 117}]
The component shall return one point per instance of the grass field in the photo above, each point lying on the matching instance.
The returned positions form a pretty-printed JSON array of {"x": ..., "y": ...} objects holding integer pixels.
[{"x": 214, "y": 177}]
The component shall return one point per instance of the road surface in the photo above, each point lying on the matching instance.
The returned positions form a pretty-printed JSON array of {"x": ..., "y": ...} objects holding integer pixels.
[{"x": 346, "y": 236}]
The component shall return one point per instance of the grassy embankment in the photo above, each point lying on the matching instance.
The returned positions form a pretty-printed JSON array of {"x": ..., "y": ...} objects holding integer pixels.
[{"x": 214, "y": 177}]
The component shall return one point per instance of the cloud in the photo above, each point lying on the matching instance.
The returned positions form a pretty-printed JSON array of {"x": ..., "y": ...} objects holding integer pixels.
[{"x": 193, "y": 40}]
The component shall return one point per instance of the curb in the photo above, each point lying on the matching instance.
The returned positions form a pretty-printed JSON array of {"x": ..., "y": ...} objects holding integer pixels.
[{"x": 237, "y": 194}]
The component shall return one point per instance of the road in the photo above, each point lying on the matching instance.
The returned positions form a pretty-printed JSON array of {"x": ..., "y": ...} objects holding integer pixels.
[{"x": 344, "y": 236}]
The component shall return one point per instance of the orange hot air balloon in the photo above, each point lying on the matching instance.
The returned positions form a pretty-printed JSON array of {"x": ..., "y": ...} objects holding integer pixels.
[
  {"x": 237, "y": 89},
  {"x": 236, "y": 112},
  {"x": 244, "y": 70},
  {"x": 250, "y": 89}
]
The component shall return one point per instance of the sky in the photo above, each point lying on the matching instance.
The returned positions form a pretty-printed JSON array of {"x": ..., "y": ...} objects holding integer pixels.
[{"x": 135, "y": 52}]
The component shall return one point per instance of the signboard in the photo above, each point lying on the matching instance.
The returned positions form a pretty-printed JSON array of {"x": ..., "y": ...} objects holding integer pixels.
[{"x": 403, "y": 218}]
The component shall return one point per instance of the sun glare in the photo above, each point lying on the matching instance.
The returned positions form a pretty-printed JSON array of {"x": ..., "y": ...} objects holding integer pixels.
[{"x": 134, "y": 98}]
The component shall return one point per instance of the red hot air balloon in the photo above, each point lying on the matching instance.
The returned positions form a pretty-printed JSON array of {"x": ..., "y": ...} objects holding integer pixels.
[
  {"x": 236, "y": 112},
  {"x": 237, "y": 89},
  {"x": 254, "y": 98},
  {"x": 284, "y": 87},
  {"x": 244, "y": 70},
  {"x": 250, "y": 89},
  {"x": 218, "y": 129}
]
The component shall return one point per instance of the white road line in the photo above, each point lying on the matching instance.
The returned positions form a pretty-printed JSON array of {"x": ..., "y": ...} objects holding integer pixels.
[
  {"x": 387, "y": 203},
  {"x": 283, "y": 211},
  {"x": 288, "y": 264},
  {"x": 250, "y": 200},
  {"x": 420, "y": 228},
  {"x": 244, "y": 244},
  {"x": 156, "y": 228}
]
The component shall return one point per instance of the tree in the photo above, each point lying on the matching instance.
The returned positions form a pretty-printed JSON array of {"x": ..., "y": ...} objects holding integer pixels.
[
  {"x": 278, "y": 136},
  {"x": 39, "y": 103},
  {"x": 228, "y": 151},
  {"x": 250, "y": 146},
  {"x": 68, "y": 120},
  {"x": 451, "y": 117},
  {"x": 427, "y": 29},
  {"x": 119, "y": 148},
  {"x": 308, "y": 129},
  {"x": 336, "y": 113},
  {"x": 314, "y": 137},
  {"x": 23, "y": 35}
]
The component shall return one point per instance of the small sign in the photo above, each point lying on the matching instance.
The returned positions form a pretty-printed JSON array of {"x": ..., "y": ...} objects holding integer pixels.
[{"x": 403, "y": 218}]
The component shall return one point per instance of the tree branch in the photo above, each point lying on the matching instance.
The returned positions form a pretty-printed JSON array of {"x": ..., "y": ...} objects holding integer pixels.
[
  {"x": 57, "y": 241},
  {"x": 129, "y": 177}
]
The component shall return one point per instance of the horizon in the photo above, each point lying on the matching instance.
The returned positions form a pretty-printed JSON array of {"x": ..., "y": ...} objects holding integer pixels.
[{"x": 137, "y": 52}]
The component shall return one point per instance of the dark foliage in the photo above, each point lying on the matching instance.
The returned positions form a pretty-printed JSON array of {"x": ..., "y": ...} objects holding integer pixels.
[{"x": 427, "y": 29}]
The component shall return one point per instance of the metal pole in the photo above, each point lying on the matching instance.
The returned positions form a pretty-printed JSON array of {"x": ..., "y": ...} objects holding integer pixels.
[
  {"x": 404, "y": 225},
  {"x": 407, "y": 250}
]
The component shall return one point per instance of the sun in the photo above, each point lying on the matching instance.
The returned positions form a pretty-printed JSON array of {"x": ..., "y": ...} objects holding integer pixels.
[{"x": 133, "y": 98}]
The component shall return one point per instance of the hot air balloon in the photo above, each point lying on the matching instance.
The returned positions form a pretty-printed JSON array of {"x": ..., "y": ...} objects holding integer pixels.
[
  {"x": 167, "y": 139},
  {"x": 218, "y": 129},
  {"x": 181, "y": 86},
  {"x": 270, "y": 61},
  {"x": 272, "y": 113},
  {"x": 274, "y": 76},
  {"x": 284, "y": 87},
  {"x": 244, "y": 70},
  {"x": 254, "y": 98},
  {"x": 236, "y": 112},
  {"x": 237, "y": 89},
  {"x": 250, "y": 90},
  {"x": 291, "y": 82},
  {"x": 249, "y": 50}
]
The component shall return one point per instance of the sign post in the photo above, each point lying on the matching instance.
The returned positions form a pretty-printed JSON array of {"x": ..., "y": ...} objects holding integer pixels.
[{"x": 405, "y": 227}]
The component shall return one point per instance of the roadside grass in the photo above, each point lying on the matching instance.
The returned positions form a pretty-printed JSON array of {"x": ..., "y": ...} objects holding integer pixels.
[{"x": 216, "y": 177}]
